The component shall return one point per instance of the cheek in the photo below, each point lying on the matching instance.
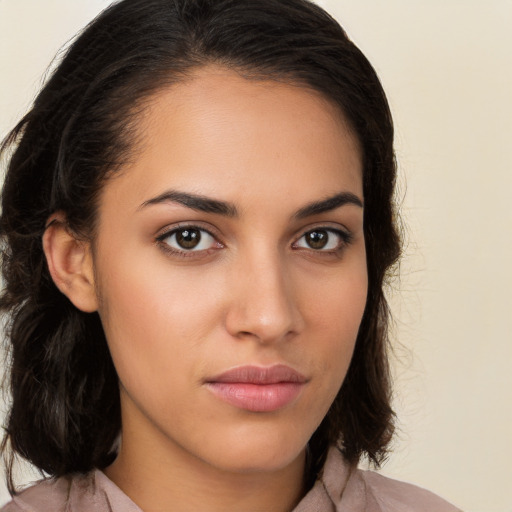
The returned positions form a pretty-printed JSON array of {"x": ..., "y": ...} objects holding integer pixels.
[
  {"x": 334, "y": 309},
  {"x": 153, "y": 320},
  {"x": 335, "y": 305}
]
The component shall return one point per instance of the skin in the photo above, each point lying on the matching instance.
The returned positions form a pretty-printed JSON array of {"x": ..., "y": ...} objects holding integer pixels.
[{"x": 255, "y": 293}]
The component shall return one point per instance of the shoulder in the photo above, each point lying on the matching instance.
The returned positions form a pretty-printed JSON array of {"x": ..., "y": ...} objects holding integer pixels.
[
  {"x": 54, "y": 494},
  {"x": 73, "y": 493},
  {"x": 397, "y": 496},
  {"x": 46, "y": 495},
  {"x": 350, "y": 488}
]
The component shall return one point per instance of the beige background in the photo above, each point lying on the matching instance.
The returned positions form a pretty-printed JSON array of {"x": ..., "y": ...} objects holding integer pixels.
[{"x": 447, "y": 68}]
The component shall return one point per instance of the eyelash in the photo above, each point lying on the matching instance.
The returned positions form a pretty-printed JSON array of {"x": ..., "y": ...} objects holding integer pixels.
[
  {"x": 183, "y": 253},
  {"x": 345, "y": 238}
]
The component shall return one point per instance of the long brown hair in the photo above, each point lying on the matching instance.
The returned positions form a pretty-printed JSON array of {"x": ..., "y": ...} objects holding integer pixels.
[{"x": 65, "y": 412}]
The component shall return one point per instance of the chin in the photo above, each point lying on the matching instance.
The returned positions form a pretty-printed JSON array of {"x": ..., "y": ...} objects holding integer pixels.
[{"x": 251, "y": 455}]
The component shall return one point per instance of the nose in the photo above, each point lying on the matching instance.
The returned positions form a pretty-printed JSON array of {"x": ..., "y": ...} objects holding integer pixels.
[{"x": 264, "y": 303}]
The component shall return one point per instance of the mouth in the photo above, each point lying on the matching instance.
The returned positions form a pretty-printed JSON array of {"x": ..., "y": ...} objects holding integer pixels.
[{"x": 258, "y": 389}]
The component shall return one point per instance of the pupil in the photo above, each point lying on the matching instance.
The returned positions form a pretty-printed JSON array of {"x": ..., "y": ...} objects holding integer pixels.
[
  {"x": 317, "y": 239},
  {"x": 188, "y": 238}
]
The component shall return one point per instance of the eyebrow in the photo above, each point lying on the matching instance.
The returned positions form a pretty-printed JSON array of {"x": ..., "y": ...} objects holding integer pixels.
[
  {"x": 208, "y": 205},
  {"x": 329, "y": 204},
  {"x": 195, "y": 202}
]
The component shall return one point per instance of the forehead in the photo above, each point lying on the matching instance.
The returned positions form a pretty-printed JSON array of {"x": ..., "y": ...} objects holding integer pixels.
[{"x": 238, "y": 139}]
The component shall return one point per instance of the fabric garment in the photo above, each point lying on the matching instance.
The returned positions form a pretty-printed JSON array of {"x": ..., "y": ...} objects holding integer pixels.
[{"x": 342, "y": 488}]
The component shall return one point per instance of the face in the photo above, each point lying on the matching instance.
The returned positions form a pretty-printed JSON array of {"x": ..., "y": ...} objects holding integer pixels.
[{"x": 230, "y": 270}]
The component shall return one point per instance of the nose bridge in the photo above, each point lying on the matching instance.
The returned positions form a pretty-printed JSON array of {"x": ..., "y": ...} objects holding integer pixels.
[{"x": 264, "y": 304}]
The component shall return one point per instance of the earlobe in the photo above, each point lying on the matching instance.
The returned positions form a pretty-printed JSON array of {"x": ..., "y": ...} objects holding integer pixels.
[{"x": 70, "y": 263}]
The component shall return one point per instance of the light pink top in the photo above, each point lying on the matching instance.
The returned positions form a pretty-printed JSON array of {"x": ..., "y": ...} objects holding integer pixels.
[{"x": 342, "y": 488}]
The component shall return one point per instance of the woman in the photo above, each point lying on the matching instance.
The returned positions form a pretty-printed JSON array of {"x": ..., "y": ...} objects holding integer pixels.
[{"x": 197, "y": 225}]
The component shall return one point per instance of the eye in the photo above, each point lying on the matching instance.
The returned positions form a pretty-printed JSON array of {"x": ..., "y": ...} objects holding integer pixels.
[
  {"x": 188, "y": 239},
  {"x": 323, "y": 239}
]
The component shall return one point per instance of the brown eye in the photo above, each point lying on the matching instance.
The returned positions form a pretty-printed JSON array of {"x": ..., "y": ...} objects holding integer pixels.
[
  {"x": 323, "y": 239},
  {"x": 317, "y": 239},
  {"x": 188, "y": 239}
]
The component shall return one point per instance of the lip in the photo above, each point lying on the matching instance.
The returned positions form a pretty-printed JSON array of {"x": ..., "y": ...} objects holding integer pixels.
[{"x": 256, "y": 388}]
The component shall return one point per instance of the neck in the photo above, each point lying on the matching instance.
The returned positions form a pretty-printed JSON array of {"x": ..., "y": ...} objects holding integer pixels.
[
  {"x": 157, "y": 474},
  {"x": 193, "y": 485}
]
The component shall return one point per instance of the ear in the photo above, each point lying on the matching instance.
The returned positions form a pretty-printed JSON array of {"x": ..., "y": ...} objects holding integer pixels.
[{"x": 70, "y": 263}]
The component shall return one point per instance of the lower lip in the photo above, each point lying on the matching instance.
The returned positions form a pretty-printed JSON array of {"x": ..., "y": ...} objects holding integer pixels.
[{"x": 257, "y": 397}]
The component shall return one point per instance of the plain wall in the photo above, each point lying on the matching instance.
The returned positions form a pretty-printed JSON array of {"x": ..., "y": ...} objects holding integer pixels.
[{"x": 447, "y": 68}]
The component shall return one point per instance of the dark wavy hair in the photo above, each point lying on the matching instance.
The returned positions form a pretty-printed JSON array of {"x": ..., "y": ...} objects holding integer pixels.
[{"x": 65, "y": 412}]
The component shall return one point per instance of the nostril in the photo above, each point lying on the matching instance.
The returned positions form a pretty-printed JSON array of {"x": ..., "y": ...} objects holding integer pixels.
[{"x": 263, "y": 305}]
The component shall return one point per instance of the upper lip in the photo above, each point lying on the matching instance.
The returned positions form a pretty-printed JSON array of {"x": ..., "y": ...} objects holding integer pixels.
[{"x": 251, "y": 374}]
